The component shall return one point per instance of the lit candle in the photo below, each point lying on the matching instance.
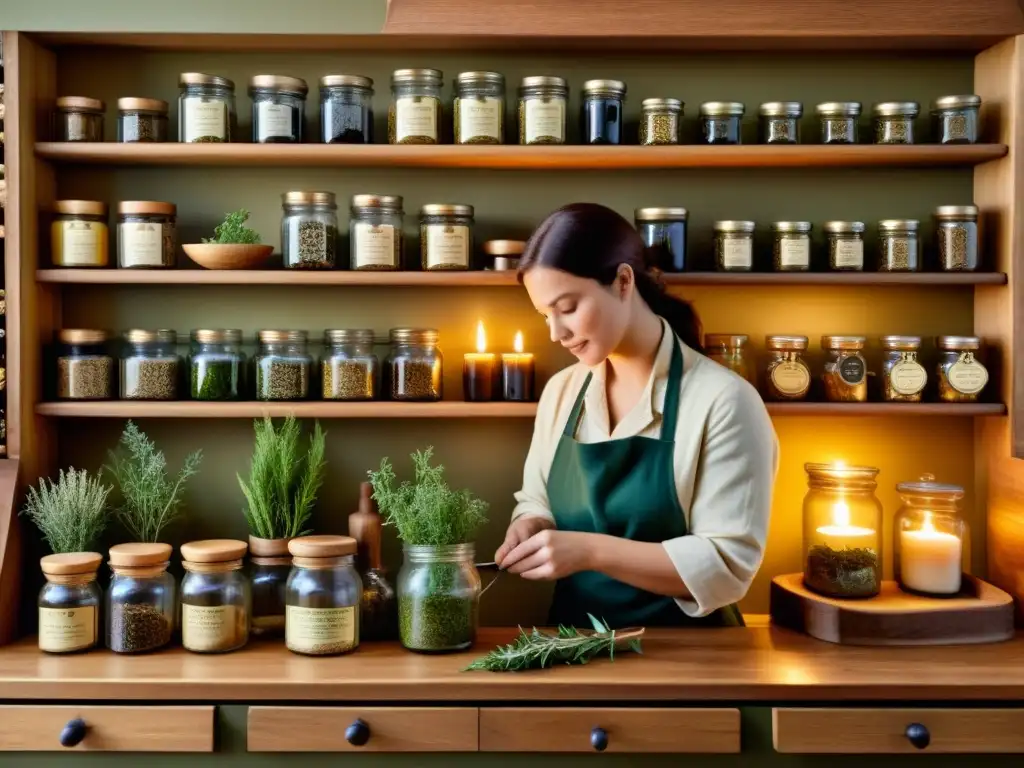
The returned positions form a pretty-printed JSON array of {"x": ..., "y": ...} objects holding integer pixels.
[
  {"x": 480, "y": 370},
  {"x": 930, "y": 560},
  {"x": 842, "y": 535},
  {"x": 517, "y": 373}
]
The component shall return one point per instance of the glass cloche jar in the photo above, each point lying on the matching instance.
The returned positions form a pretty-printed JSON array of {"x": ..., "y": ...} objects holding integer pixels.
[{"x": 928, "y": 536}]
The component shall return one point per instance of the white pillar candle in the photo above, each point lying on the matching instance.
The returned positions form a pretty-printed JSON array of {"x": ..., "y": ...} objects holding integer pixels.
[{"x": 930, "y": 560}]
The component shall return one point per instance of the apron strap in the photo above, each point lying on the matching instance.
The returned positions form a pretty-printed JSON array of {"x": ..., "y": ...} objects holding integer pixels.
[
  {"x": 670, "y": 411},
  {"x": 573, "y": 422}
]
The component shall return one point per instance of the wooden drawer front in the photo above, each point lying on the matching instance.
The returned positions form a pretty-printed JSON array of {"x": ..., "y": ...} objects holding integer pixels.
[
  {"x": 107, "y": 729},
  {"x": 885, "y": 731},
  {"x": 389, "y": 729},
  {"x": 570, "y": 729}
]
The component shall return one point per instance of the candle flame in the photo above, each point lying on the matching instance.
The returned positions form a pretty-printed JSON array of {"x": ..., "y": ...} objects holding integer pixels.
[
  {"x": 481, "y": 338},
  {"x": 518, "y": 344},
  {"x": 928, "y": 526},
  {"x": 840, "y": 514}
]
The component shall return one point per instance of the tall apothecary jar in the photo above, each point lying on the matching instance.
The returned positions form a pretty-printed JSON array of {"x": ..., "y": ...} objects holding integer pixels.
[
  {"x": 928, "y": 536},
  {"x": 141, "y": 599}
]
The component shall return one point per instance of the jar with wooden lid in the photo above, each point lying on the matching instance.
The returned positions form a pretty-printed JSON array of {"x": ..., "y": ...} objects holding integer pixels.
[
  {"x": 278, "y": 109},
  {"x": 791, "y": 246},
  {"x": 414, "y": 367},
  {"x": 663, "y": 230},
  {"x": 85, "y": 369},
  {"x": 141, "y": 120},
  {"x": 659, "y": 121},
  {"x": 415, "y": 113},
  {"x": 79, "y": 235},
  {"x": 375, "y": 233},
  {"x": 446, "y": 236},
  {"x": 961, "y": 376},
  {"x": 721, "y": 122},
  {"x": 899, "y": 249},
  {"x": 729, "y": 350},
  {"x": 479, "y": 108},
  {"x": 322, "y": 596},
  {"x": 147, "y": 235},
  {"x": 787, "y": 375},
  {"x": 601, "y": 111},
  {"x": 504, "y": 255},
  {"x": 780, "y": 122},
  {"x": 846, "y": 371},
  {"x": 928, "y": 538},
  {"x": 150, "y": 365},
  {"x": 283, "y": 365},
  {"x": 217, "y": 364},
  {"x": 206, "y": 108},
  {"x": 141, "y": 603},
  {"x": 69, "y": 602},
  {"x": 350, "y": 369},
  {"x": 215, "y": 596},
  {"x": 78, "y": 118},
  {"x": 845, "y": 242},
  {"x": 346, "y": 109},
  {"x": 894, "y": 121},
  {"x": 269, "y": 567},
  {"x": 839, "y": 122},
  {"x": 956, "y": 230},
  {"x": 734, "y": 246},
  {"x": 541, "y": 110},
  {"x": 903, "y": 377},
  {"x": 955, "y": 119},
  {"x": 309, "y": 230}
]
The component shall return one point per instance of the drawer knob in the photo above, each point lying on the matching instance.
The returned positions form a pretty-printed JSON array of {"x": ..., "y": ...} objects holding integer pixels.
[
  {"x": 917, "y": 734},
  {"x": 73, "y": 733},
  {"x": 599, "y": 739},
  {"x": 357, "y": 734}
]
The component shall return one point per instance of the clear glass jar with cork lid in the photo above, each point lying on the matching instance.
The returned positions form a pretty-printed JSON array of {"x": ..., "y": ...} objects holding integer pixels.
[
  {"x": 78, "y": 118},
  {"x": 215, "y": 596},
  {"x": 414, "y": 367},
  {"x": 729, "y": 350},
  {"x": 141, "y": 602},
  {"x": 85, "y": 368},
  {"x": 903, "y": 377},
  {"x": 415, "y": 113},
  {"x": 147, "y": 236},
  {"x": 79, "y": 234},
  {"x": 141, "y": 120},
  {"x": 961, "y": 376},
  {"x": 323, "y": 596},
  {"x": 846, "y": 371},
  {"x": 787, "y": 376},
  {"x": 845, "y": 243},
  {"x": 69, "y": 602},
  {"x": 479, "y": 108}
]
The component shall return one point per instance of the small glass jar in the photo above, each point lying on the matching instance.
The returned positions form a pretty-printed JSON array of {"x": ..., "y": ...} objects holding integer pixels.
[
  {"x": 147, "y": 235},
  {"x": 415, "y": 113},
  {"x": 729, "y": 350},
  {"x": 438, "y": 598},
  {"x": 141, "y": 603},
  {"x": 85, "y": 370},
  {"x": 375, "y": 233},
  {"x": 322, "y": 596},
  {"x": 842, "y": 520},
  {"x": 839, "y": 122},
  {"x": 664, "y": 229},
  {"x": 79, "y": 235},
  {"x": 541, "y": 110},
  {"x": 141, "y": 120},
  {"x": 503, "y": 255},
  {"x": 787, "y": 376},
  {"x": 278, "y": 109},
  {"x": 78, "y": 118},
  {"x": 659, "y": 121},
  {"x": 894, "y": 122},
  {"x": 414, "y": 366},
  {"x": 479, "y": 108},
  {"x": 446, "y": 236},
  {"x": 846, "y": 371},
  {"x": 309, "y": 230},
  {"x": 734, "y": 246},
  {"x": 780, "y": 122},
  {"x": 601, "y": 112},
  {"x": 206, "y": 108},
  {"x": 69, "y": 602},
  {"x": 928, "y": 538},
  {"x": 217, "y": 364},
  {"x": 845, "y": 242},
  {"x": 282, "y": 365},
  {"x": 150, "y": 365},
  {"x": 961, "y": 375},
  {"x": 903, "y": 377},
  {"x": 721, "y": 122},
  {"x": 216, "y": 599},
  {"x": 956, "y": 230},
  {"x": 955, "y": 119},
  {"x": 349, "y": 367},
  {"x": 346, "y": 109},
  {"x": 791, "y": 246},
  {"x": 270, "y": 564},
  {"x": 899, "y": 249}
]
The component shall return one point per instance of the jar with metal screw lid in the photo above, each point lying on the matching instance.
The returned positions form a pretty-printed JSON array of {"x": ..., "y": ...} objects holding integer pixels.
[
  {"x": 322, "y": 596},
  {"x": 283, "y": 364},
  {"x": 791, "y": 246},
  {"x": 961, "y": 375},
  {"x": 217, "y": 365},
  {"x": 899, "y": 249},
  {"x": 346, "y": 109},
  {"x": 446, "y": 236},
  {"x": 414, "y": 367},
  {"x": 206, "y": 108},
  {"x": 147, "y": 234},
  {"x": 78, "y": 118},
  {"x": 659, "y": 121},
  {"x": 69, "y": 602},
  {"x": 141, "y": 120},
  {"x": 664, "y": 231},
  {"x": 955, "y": 119},
  {"x": 375, "y": 232},
  {"x": 309, "y": 230},
  {"x": 79, "y": 235},
  {"x": 216, "y": 599},
  {"x": 150, "y": 365},
  {"x": 479, "y": 108},
  {"x": 787, "y": 376},
  {"x": 734, "y": 246},
  {"x": 845, "y": 240},
  {"x": 141, "y": 603},
  {"x": 278, "y": 109},
  {"x": 720, "y": 122},
  {"x": 846, "y": 371},
  {"x": 839, "y": 122},
  {"x": 894, "y": 122},
  {"x": 85, "y": 369},
  {"x": 956, "y": 230},
  {"x": 601, "y": 111},
  {"x": 350, "y": 369},
  {"x": 541, "y": 110},
  {"x": 903, "y": 377},
  {"x": 780, "y": 122},
  {"x": 729, "y": 350},
  {"x": 415, "y": 113}
]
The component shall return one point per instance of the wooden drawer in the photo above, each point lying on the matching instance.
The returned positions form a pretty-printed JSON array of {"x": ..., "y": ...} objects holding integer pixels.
[
  {"x": 895, "y": 731},
  {"x": 575, "y": 729},
  {"x": 106, "y": 729},
  {"x": 380, "y": 729}
]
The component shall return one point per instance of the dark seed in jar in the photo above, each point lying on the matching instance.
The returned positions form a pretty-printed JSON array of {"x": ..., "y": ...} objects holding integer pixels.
[
  {"x": 281, "y": 380},
  {"x": 415, "y": 380},
  {"x": 896, "y": 254},
  {"x": 144, "y": 379},
  {"x": 892, "y": 131},
  {"x": 84, "y": 378},
  {"x": 137, "y": 627},
  {"x": 348, "y": 380}
]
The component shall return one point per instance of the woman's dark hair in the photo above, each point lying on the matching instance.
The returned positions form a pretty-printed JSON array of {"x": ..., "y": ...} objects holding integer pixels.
[{"x": 589, "y": 240}]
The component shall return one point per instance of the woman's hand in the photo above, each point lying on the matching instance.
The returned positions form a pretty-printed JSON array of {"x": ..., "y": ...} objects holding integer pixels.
[
  {"x": 521, "y": 530},
  {"x": 551, "y": 554}
]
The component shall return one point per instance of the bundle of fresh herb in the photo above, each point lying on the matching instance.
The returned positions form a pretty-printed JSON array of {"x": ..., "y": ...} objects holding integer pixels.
[
  {"x": 70, "y": 513},
  {"x": 233, "y": 231}
]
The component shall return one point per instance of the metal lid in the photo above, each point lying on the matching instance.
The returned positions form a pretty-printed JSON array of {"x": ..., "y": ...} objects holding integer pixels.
[
  {"x": 607, "y": 87},
  {"x": 81, "y": 336},
  {"x": 838, "y": 109},
  {"x": 727, "y": 340},
  {"x": 137, "y": 336},
  {"x": 843, "y": 342},
  {"x": 791, "y": 226},
  {"x": 899, "y": 224},
  {"x": 956, "y": 212},
  {"x": 661, "y": 105},
  {"x": 413, "y": 336},
  {"x": 926, "y": 486},
  {"x": 781, "y": 109},
  {"x": 308, "y": 198},
  {"x": 139, "y": 554},
  {"x": 896, "y": 109},
  {"x": 279, "y": 337},
  {"x": 905, "y": 343},
  {"x": 201, "y": 78},
  {"x": 425, "y": 76},
  {"x": 389, "y": 202},
  {"x": 733, "y": 226},
  {"x": 217, "y": 335},
  {"x": 962, "y": 101},
  {"x": 322, "y": 546},
  {"x": 81, "y": 207},
  {"x": 722, "y": 108},
  {"x": 348, "y": 336},
  {"x": 660, "y": 214},
  {"x": 480, "y": 78},
  {"x": 152, "y": 207},
  {"x": 281, "y": 83},
  {"x": 504, "y": 247},
  {"x": 837, "y": 227},
  {"x": 214, "y": 550},
  {"x": 349, "y": 81},
  {"x": 446, "y": 209},
  {"x": 132, "y": 104},
  {"x": 80, "y": 102},
  {"x": 71, "y": 563},
  {"x": 544, "y": 81},
  {"x": 958, "y": 343},
  {"x": 786, "y": 342}
]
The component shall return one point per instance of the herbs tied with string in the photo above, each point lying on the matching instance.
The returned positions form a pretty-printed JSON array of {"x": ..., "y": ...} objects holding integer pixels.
[
  {"x": 71, "y": 513},
  {"x": 233, "y": 231}
]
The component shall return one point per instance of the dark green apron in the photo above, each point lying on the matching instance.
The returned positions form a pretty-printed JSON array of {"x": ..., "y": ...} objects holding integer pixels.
[{"x": 623, "y": 488}]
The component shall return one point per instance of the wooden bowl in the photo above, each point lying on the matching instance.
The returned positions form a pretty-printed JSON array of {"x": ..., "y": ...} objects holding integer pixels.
[{"x": 218, "y": 256}]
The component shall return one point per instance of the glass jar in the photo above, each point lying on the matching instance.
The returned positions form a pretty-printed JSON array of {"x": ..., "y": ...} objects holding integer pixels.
[
  {"x": 269, "y": 567},
  {"x": 375, "y": 233},
  {"x": 541, "y": 110},
  {"x": 349, "y": 367},
  {"x": 787, "y": 376},
  {"x": 146, "y": 234},
  {"x": 664, "y": 230},
  {"x": 150, "y": 365},
  {"x": 956, "y": 230},
  {"x": 438, "y": 598},
  {"x": 217, "y": 365},
  {"x": 282, "y": 365},
  {"x": 903, "y": 377},
  {"x": 721, "y": 122},
  {"x": 734, "y": 246},
  {"x": 85, "y": 370},
  {"x": 414, "y": 366},
  {"x": 415, "y": 113},
  {"x": 141, "y": 600},
  {"x": 961, "y": 375},
  {"x": 206, "y": 108},
  {"x": 79, "y": 235},
  {"x": 791, "y": 246},
  {"x": 309, "y": 230},
  {"x": 842, "y": 531},
  {"x": 346, "y": 109},
  {"x": 839, "y": 122},
  {"x": 894, "y": 122},
  {"x": 899, "y": 249},
  {"x": 659, "y": 121},
  {"x": 322, "y": 596},
  {"x": 479, "y": 108},
  {"x": 78, "y": 118},
  {"x": 278, "y": 109},
  {"x": 601, "y": 112},
  {"x": 141, "y": 120},
  {"x": 955, "y": 119},
  {"x": 503, "y": 255},
  {"x": 215, "y": 596},
  {"x": 729, "y": 350},
  {"x": 846, "y": 371},
  {"x": 780, "y": 122},
  {"x": 845, "y": 240},
  {"x": 446, "y": 236},
  {"x": 69, "y": 602},
  {"x": 928, "y": 538}
]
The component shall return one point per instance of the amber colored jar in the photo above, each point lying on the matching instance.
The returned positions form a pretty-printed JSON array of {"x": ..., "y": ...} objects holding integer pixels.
[
  {"x": 846, "y": 372},
  {"x": 728, "y": 350},
  {"x": 787, "y": 376}
]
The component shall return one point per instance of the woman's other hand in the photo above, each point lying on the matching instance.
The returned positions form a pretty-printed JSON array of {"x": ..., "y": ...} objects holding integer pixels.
[
  {"x": 551, "y": 554},
  {"x": 519, "y": 531}
]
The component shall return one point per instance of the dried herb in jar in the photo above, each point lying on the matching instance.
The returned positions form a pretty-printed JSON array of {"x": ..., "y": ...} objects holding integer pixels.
[
  {"x": 215, "y": 379},
  {"x": 137, "y": 627},
  {"x": 348, "y": 379},
  {"x": 849, "y": 572},
  {"x": 845, "y": 372},
  {"x": 146, "y": 379},
  {"x": 84, "y": 378},
  {"x": 316, "y": 245},
  {"x": 437, "y": 621},
  {"x": 282, "y": 380}
]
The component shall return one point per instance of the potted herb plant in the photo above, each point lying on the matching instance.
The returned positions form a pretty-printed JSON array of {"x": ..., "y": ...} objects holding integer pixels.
[
  {"x": 233, "y": 245},
  {"x": 71, "y": 513},
  {"x": 438, "y": 585}
]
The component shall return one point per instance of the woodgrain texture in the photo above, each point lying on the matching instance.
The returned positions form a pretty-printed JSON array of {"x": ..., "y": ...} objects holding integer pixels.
[{"x": 10, "y": 550}]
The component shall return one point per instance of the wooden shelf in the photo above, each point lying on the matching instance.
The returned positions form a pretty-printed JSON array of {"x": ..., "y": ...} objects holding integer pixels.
[{"x": 515, "y": 157}]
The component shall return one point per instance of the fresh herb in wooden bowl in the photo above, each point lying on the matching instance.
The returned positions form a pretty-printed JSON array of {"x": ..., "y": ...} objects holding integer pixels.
[{"x": 234, "y": 245}]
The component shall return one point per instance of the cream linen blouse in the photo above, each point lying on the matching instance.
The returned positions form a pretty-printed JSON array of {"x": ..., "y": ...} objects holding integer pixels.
[{"x": 726, "y": 457}]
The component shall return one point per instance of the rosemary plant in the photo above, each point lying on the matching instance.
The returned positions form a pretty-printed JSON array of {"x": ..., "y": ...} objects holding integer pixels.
[{"x": 70, "y": 513}]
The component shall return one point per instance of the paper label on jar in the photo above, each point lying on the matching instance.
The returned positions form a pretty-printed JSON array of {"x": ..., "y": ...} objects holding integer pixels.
[
  {"x": 67, "y": 629},
  {"x": 794, "y": 252},
  {"x": 791, "y": 378},
  {"x": 447, "y": 245},
  {"x": 415, "y": 116},
  {"x": 373, "y": 244},
  {"x": 908, "y": 378},
  {"x": 480, "y": 116},
  {"x": 205, "y": 118},
  {"x": 544, "y": 119},
  {"x": 141, "y": 244},
  {"x": 320, "y": 630},
  {"x": 737, "y": 253},
  {"x": 273, "y": 120},
  {"x": 852, "y": 370},
  {"x": 967, "y": 376},
  {"x": 82, "y": 244},
  {"x": 208, "y": 628},
  {"x": 849, "y": 253}
]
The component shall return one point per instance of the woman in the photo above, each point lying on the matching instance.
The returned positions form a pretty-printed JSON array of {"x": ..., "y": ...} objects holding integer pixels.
[{"x": 647, "y": 488}]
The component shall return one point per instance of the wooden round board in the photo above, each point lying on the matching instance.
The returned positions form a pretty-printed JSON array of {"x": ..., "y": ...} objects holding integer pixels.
[{"x": 981, "y": 613}]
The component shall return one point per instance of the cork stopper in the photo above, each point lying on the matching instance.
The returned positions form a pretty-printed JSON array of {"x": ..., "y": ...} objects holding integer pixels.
[
  {"x": 213, "y": 551},
  {"x": 322, "y": 546},
  {"x": 139, "y": 555},
  {"x": 365, "y": 526},
  {"x": 71, "y": 563}
]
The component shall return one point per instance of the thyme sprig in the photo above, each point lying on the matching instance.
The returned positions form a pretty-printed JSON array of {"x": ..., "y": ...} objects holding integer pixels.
[
  {"x": 232, "y": 231},
  {"x": 70, "y": 513}
]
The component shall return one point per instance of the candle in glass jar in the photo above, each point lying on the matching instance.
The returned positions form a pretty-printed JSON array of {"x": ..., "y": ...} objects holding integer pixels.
[
  {"x": 842, "y": 535},
  {"x": 479, "y": 370},
  {"x": 930, "y": 560},
  {"x": 517, "y": 373}
]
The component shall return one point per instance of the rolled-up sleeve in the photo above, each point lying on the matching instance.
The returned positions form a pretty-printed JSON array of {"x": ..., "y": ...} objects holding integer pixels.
[{"x": 532, "y": 499}]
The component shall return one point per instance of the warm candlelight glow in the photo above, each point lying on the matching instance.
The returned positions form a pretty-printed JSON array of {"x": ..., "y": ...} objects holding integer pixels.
[
  {"x": 930, "y": 560},
  {"x": 481, "y": 338},
  {"x": 518, "y": 344},
  {"x": 840, "y": 514},
  {"x": 841, "y": 528},
  {"x": 928, "y": 525}
]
